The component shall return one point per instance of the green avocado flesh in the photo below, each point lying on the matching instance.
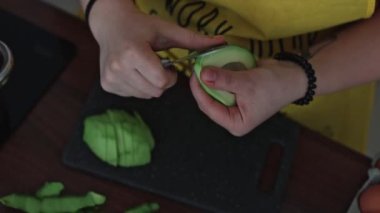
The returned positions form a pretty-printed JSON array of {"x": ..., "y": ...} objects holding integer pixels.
[
  {"x": 48, "y": 199},
  {"x": 144, "y": 208},
  {"x": 118, "y": 138},
  {"x": 229, "y": 57},
  {"x": 50, "y": 189}
]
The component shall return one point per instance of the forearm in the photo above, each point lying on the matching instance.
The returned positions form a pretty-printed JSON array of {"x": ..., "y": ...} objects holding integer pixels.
[
  {"x": 350, "y": 60},
  {"x": 85, "y": 2},
  {"x": 103, "y": 8},
  {"x": 104, "y": 12}
]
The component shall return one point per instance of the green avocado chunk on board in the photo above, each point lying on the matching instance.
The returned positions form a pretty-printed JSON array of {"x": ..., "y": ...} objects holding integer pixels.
[
  {"x": 50, "y": 189},
  {"x": 119, "y": 138},
  {"x": 228, "y": 57},
  {"x": 144, "y": 208},
  {"x": 49, "y": 200}
]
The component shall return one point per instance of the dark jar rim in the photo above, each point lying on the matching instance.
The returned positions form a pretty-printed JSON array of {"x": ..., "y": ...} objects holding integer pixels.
[{"x": 7, "y": 65}]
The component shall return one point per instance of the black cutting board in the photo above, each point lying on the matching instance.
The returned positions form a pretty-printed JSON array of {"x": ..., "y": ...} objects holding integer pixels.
[{"x": 195, "y": 161}]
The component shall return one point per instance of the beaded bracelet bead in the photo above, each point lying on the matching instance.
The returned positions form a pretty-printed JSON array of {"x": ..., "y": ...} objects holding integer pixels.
[{"x": 309, "y": 71}]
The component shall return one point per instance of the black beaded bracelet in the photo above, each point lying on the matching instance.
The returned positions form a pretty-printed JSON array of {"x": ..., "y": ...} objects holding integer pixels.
[
  {"x": 88, "y": 10},
  {"x": 309, "y": 71}
]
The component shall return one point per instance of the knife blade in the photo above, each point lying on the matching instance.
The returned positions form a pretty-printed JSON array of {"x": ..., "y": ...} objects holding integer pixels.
[{"x": 167, "y": 63}]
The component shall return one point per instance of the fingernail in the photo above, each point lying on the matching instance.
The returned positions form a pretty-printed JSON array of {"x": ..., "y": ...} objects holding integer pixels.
[{"x": 209, "y": 75}]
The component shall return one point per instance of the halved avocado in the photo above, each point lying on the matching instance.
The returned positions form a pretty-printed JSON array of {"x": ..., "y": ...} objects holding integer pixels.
[{"x": 228, "y": 57}]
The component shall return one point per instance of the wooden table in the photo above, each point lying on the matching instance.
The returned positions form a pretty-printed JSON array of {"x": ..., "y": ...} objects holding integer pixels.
[{"x": 324, "y": 178}]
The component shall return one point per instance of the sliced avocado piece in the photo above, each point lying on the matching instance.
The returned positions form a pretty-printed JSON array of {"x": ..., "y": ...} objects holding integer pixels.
[
  {"x": 144, "y": 131},
  {"x": 125, "y": 149},
  {"x": 144, "y": 208},
  {"x": 111, "y": 141},
  {"x": 119, "y": 138},
  {"x": 229, "y": 57},
  {"x": 138, "y": 151},
  {"x": 50, "y": 189},
  {"x": 95, "y": 134},
  {"x": 51, "y": 204}
]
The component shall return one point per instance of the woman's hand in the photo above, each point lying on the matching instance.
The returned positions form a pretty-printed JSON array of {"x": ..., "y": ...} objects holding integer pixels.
[
  {"x": 128, "y": 39},
  {"x": 260, "y": 93}
]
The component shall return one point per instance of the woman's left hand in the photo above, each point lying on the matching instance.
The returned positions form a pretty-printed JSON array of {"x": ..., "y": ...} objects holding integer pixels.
[{"x": 259, "y": 92}]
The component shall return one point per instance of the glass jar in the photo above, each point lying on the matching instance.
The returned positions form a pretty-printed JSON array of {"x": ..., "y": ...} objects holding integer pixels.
[{"x": 6, "y": 64}]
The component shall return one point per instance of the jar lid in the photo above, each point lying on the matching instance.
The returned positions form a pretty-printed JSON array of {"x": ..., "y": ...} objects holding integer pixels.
[{"x": 6, "y": 63}]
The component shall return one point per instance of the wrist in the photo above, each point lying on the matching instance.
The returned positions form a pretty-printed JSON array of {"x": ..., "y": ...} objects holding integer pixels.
[
  {"x": 101, "y": 22},
  {"x": 84, "y": 3},
  {"x": 290, "y": 81},
  {"x": 308, "y": 70}
]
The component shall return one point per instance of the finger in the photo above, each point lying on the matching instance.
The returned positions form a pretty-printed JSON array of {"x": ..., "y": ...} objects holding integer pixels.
[
  {"x": 139, "y": 82},
  {"x": 150, "y": 68},
  {"x": 135, "y": 79},
  {"x": 118, "y": 76},
  {"x": 221, "y": 79},
  {"x": 130, "y": 91},
  {"x": 123, "y": 89},
  {"x": 228, "y": 117},
  {"x": 176, "y": 36}
]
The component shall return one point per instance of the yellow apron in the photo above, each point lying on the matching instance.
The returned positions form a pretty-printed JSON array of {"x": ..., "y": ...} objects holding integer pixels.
[{"x": 269, "y": 26}]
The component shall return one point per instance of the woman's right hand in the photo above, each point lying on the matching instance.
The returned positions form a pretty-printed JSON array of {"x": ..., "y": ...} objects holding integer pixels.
[{"x": 128, "y": 39}]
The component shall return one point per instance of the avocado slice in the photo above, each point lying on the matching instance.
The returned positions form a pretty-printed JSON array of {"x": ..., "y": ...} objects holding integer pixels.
[
  {"x": 230, "y": 57},
  {"x": 119, "y": 138}
]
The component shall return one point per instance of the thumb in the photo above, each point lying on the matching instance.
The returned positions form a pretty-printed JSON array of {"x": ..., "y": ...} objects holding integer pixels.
[
  {"x": 180, "y": 37},
  {"x": 221, "y": 79}
]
